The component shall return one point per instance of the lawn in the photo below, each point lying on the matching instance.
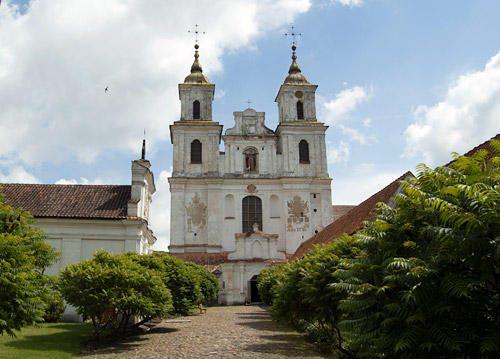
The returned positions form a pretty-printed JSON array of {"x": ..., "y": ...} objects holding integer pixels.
[{"x": 45, "y": 341}]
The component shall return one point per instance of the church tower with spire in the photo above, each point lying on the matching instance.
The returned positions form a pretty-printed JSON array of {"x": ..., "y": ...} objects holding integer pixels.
[{"x": 254, "y": 203}]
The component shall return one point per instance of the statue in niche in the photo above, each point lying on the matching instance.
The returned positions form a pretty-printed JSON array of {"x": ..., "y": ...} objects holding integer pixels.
[{"x": 250, "y": 159}]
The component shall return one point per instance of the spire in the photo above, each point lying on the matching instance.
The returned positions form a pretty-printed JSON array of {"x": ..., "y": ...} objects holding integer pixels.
[
  {"x": 143, "y": 151},
  {"x": 196, "y": 75},
  {"x": 295, "y": 76}
]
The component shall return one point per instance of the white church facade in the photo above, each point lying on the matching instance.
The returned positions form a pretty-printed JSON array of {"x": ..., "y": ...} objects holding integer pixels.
[{"x": 254, "y": 203}]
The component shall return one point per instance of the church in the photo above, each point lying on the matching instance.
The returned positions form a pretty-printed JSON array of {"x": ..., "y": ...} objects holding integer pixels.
[{"x": 257, "y": 201}]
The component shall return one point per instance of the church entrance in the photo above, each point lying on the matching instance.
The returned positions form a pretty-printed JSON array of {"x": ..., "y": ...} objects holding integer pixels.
[{"x": 254, "y": 292}]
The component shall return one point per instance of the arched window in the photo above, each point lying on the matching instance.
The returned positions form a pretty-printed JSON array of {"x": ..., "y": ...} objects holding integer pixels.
[
  {"x": 252, "y": 213},
  {"x": 196, "y": 151},
  {"x": 250, "y": 157},
  {"x": 196, "y": 110},
  {"x": 303, "y": 152},
  {"x": 300, "y": 110}
]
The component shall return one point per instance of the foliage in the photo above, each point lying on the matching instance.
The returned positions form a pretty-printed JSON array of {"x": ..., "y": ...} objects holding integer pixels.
[
  {"x": 178, "y": 276},
  {"x": 110, "y": 289},
  {"x": 269, "y": 279},
  {"x": 420, "y": 281},
  {"x": 209, "y": 285},
  {"x": 427, "y": 282},
  {"x": 304, "y": 295},
  {"x": 54, "y": 302},
  {"x": 24, "y": 256}
]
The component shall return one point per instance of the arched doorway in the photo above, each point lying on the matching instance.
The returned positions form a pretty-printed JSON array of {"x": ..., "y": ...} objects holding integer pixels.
[{"x": 254, "y": 292}]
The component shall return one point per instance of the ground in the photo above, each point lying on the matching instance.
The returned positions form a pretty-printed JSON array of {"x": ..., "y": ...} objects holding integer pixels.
[{"x": 223, "y": 332}]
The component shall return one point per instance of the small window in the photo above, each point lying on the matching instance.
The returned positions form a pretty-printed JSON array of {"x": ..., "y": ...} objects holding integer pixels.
[
  {"x": 196, "y": 110},
  {"x": 300, "y": 110},
  {"x": 303, "y": 152},
  {"x": 196, "y": 151},
  {"x": 252, "y": 213}
]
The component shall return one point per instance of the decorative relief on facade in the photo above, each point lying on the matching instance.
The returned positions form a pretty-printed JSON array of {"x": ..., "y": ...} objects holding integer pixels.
[
  {"x": 196, "y": 214},
  {"x": 251, "y": 188},
  {"x": 298, "y": 215}
]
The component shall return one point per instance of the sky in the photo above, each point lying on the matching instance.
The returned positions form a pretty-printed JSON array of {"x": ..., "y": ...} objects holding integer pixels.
[{"x": 400, "y": 83}]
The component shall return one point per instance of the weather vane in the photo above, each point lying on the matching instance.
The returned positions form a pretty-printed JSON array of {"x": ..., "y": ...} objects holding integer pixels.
[
  {"x": 295, "y": 36},
  {"x": 196, "y": 32}
]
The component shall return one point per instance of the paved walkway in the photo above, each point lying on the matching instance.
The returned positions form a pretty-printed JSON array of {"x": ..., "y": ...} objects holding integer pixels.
[{"x": 223, "y": 332}]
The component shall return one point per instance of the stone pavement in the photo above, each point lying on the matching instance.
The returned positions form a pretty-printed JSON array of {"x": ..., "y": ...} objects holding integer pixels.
[{"x": 223, "y": 332}]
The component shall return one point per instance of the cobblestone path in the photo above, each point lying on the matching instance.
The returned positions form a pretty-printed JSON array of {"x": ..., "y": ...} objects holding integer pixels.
[{"x": 223, "y": 332}]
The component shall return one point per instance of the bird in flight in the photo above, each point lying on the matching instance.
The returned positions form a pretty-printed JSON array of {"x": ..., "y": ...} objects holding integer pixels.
[{"x": 106, "y": 89}]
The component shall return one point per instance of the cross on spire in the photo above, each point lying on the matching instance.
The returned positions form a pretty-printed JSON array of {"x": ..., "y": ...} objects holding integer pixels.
[
  {"x": 294, "y": 35},
  {"x": 249, "y": 102},
  {"x": 196, "y": 32}
]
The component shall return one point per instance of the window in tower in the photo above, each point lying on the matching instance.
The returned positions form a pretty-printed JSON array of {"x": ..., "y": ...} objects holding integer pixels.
[
  {"x": 303, "y": 152},
  {"x": 196, "y": 110},
  {"x": 252, "y": 213},
  {"x": 300, "y": 110},
  {"x": 196, "y": 151}
]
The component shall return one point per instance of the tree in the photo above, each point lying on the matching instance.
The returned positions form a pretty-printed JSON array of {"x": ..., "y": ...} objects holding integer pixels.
[
  {"x": 178, "y": 276},
  {"x": 426, "y": 284},
  {"x": 110, "y": 289},
  {"x": 209, "y": 286},
  {"x": 269, "y": 280},
  {"x": 24, "y": 256}
]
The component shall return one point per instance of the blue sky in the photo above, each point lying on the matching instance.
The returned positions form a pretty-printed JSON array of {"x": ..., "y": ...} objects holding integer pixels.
[{"x": 400, "y": 82}]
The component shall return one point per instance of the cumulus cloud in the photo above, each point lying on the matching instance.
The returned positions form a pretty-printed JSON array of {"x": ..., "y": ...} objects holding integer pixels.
[
  {"x": 361, "y": 182},
  {"x": 82, "y": 180},
  {"x": 340, "y": 153},
  {"x": 17, "y": 174},
  {"x": 345, "y": 102},
  {"x": 468, "y": 115},
  {"x": 56, "y": 59},
  {"x": 349, "y": 3},
  {"x": 160, "y": 211}
]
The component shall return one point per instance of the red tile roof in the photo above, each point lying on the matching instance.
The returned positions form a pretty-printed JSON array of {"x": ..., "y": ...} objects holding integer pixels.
[
  {"x": 202, "y": 258},
  {"x": 483, "y": 146},
  {"x": 69, "y": 201},
  {"x": 352, "y": 221}
]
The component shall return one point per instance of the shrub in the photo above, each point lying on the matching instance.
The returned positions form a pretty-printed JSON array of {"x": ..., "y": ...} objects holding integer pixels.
[{"x": 110, "y": 289}]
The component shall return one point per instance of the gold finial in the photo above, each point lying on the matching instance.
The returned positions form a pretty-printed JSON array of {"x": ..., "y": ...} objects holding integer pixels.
[
  {"x": 196, "y": 75},
  {"x": 295, "y": 75}
]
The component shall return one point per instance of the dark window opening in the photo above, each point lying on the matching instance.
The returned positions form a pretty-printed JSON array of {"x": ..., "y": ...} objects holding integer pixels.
[
  {"x": 196, "y": 110},
  {"x": 252, "y": 213},
  {"x": 303, "y": 152},
  {"x": 196, "y": 151},
  {"x": 300, "y": 110}
]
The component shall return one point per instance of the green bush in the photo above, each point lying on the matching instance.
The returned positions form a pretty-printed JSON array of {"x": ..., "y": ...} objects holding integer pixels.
[
  {"x": 54, "y": 303},
  {"x": 110, "y": 289},
  {"x": 24, "y": 256}
]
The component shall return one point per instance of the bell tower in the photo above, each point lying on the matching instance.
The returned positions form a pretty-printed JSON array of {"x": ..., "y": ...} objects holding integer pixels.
[{"x": 301, "y": 136}]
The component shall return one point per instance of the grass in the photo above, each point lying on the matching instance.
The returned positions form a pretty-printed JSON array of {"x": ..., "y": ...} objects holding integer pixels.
[{"x": 45, "y": 341}]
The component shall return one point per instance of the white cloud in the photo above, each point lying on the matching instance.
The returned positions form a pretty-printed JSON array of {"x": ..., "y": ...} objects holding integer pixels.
[
  {"x": 367, "y": 122},
  {"x": 468, "y": 115},
  {"x": 338, "y": 109},
  {"x": 350, "y": 3},
  {"x": 362, "y": 182},
  {"x": 160, "y": 212},
  {"x": 57, "y": 57},
  {"x": 17, "y": 174},
  {"x": 340, "y": 153},
  {"x": 82, "y": 180},
  {"x": 356, "y": 135}
]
